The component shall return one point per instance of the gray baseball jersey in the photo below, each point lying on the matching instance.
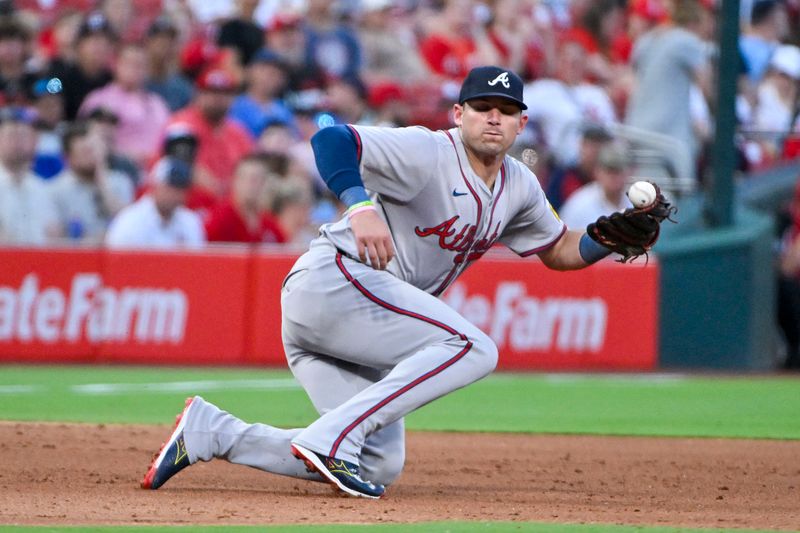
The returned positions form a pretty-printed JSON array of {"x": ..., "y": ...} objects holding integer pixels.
[
  {"x": 369, "y": 346},
  {"x": 441, "y": 215}
]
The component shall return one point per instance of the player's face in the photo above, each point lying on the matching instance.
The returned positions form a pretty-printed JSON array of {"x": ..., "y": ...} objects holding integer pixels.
[{"x": 489, "y": 125}]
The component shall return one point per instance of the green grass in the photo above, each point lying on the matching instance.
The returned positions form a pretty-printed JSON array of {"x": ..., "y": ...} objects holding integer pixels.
[
  {"x": 426, "y": 527},
  {"x": 757, "y": 407}
]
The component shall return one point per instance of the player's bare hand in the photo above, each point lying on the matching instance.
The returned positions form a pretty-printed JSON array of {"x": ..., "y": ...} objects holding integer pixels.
[{"x": 372, "y": 239}]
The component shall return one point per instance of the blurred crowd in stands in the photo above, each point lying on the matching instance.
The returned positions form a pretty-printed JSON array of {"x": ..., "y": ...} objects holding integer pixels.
[{"x": 164, "y": 123}]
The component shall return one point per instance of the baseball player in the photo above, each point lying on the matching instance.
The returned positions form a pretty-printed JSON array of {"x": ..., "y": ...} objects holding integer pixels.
[{"x": 363, "y": 328}]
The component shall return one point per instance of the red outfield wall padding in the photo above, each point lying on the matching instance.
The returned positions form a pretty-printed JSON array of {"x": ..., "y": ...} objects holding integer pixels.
[{"x": 223, "y": 307}]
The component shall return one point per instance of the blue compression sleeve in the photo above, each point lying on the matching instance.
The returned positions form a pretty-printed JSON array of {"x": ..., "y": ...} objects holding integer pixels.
[
  {"x": 591, "y": 251},
  {"x": 354, "y": 195},
  {"x": 336, "y": 151}
]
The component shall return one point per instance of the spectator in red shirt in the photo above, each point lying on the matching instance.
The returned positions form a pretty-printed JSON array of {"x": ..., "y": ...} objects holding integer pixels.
[
  {"x": 524, "y": 43},
  {"x": 243, "y": 217},
  {"x": 602, "y": 32},
  {"x": 222, "y": 142},
  {"x": 458, "y": 42}
]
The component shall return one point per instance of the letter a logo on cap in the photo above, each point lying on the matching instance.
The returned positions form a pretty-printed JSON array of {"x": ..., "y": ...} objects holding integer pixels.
[{"x": 502, "y": 78}]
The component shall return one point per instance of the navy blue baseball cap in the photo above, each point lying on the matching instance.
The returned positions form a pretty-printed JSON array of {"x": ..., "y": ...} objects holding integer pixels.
[
  {"x": 173, "y": 171},
  {"x": 492, "y": 81}
]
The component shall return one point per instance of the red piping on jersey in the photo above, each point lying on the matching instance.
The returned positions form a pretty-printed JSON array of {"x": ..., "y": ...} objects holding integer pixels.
[
  {"x": 464, "y": 176},
  {"x": 358, "y": 142},
  {"x": 420, "y": 379},
  {"x": 499, "y": 194},
  {"x": 546, "y": 246},
  {"x": 442, "y": 286}
]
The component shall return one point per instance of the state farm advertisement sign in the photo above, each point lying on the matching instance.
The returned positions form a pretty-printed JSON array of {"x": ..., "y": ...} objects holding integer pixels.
[
  {"x": 521, "y": 322},
  {"x": 604, "y": 317},
  {"x": 32, "y": 313},
  {"x": 224, "y": 308},
  {"x": 109, "y": 306}
]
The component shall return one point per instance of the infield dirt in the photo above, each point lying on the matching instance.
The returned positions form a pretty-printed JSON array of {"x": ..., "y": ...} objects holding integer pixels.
[{"x": 77, "y": 474}]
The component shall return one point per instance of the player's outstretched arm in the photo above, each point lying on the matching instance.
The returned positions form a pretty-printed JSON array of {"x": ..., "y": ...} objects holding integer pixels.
[
  {"x": 336, "y": 154},
  {"x": 630, "y": 234},
  {"x": 566, "y": 253}
]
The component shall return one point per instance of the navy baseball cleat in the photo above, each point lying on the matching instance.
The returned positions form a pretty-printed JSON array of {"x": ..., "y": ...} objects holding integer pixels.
[
  {"x": 341, "y": 474},
  {"x": 172, "y": 457}
]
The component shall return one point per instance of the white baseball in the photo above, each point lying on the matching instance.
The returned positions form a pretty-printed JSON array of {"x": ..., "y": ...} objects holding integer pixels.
[{"x": 641, "y": 194}]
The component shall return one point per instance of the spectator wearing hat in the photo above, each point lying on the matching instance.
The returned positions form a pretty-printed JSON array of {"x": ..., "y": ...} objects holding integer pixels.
[
  {"x": 46, "y": 95},
  {"x": 160, "y": 218},
  {"x": 261, "y": 104},
  {"x": 768, "y": 120},
  {"x": 605, "y": 194},
  {"x": 161, "y": 44},
  {"x": 777, "y": 93},
  {"x": 87, "y": 194},
  {"x": 16, "y": 78},
  {"x": 244, "y": 217},
  {"x": 27, "y": 214},
  {"x": 222, "y": 141},
  {"x": 181, "y": 143},
  {"x": 769, "y": 25},
  {"x": 390, "y": 103},
  {"x": 95, "y": 47},
  {"x": 564, "y": 181},
  {"x": 142, "y": 114},
  {"x": 240, "y": 33},
  {"x": 103, "y": 123}
]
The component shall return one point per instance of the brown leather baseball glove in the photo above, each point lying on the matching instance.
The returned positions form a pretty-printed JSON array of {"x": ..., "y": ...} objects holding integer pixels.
[{"x": 633, "y": 232}]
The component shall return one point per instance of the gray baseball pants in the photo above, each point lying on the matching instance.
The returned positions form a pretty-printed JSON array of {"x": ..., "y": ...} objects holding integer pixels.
[{"x": 368, "y": 348}]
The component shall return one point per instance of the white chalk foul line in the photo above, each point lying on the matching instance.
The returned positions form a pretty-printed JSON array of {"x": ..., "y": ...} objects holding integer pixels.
[
  {"x": 186, "y": 386},
  {"x": 20, "y": 389}
]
